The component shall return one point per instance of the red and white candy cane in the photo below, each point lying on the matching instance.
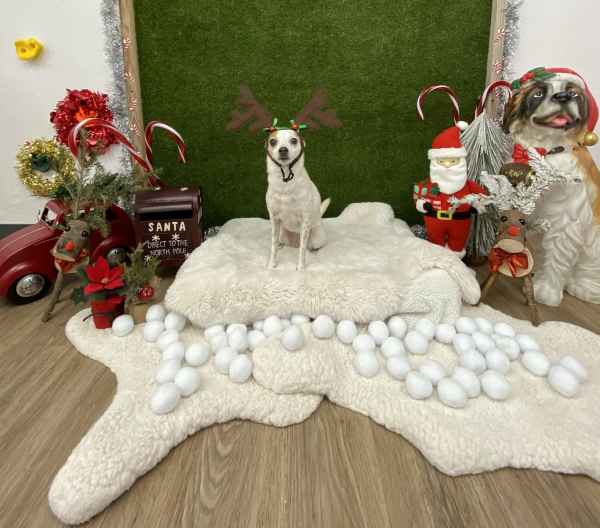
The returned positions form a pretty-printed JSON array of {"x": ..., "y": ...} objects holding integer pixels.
[
  {"x": 455, "y": 109},
  {"x": 486, "y": 93},
  {"x": 148, "y": 137}
]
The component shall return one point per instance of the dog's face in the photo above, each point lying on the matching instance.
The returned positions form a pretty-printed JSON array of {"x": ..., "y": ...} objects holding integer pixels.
[
  {"x": 546, "y": 106},
  {"x": 284, "y": 146}
]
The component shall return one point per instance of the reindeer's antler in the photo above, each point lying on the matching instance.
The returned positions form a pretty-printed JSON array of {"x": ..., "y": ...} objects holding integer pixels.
[
  {"x": 312, "y": 109},
  {"x": 255, "y": 111}
]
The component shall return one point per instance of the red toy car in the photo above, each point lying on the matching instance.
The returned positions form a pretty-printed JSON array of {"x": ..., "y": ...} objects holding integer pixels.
[{"x": 26, "y": 265}]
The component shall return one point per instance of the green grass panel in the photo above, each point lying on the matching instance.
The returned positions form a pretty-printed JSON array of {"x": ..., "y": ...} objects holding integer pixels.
[{"x": 374, "y": 57}]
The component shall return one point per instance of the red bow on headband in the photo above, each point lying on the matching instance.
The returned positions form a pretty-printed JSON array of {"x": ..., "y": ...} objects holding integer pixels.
[
  {"x": 514, "y": 260},
  {"x": 520, "y": 154}
]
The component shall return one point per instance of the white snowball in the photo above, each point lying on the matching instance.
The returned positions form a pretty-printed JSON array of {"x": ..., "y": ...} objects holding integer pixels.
[
  {"x": 175, "y": 321},
  {"x": 366, "y": 363},
  {"x": 292, "y": 338},
  {"x": 166, "y": 338},
  {"x": 504, "y": 329},
  {"x": 232, "y": 327},
  {"x": 483, "y": 342},
  {"x": 465, "y": 325},
  {"x": 346, "y": 331},
  {"x": 379, "y": 331},
  {"x": 255, "y": 338},
  {"x": 527, "y": 342},
  {"x": 509, "y": 346},
  {"x": 398, "y": 366},
  {"x": 391, "y": 347},
  {"x": 174, "y": 350},
  {"x": 563, "y": 380},
  {"x": 468, "y": 379},
  {"x": 323, "y": 326},
  {"x": 397, "y": 326},
  {"x": 166, "y": 370},
  {"x": 418, "y": 385},
  {"x": 156, "y": 312},
  {"x": 299, "y": 319},
  {"x": 363, "y": 343},
  {"x": 434, "y": 370},
  {"x": 536, "y": 362},
  {"x": 240, "y": 368},
  {"x": 463, "y": 342},
  {"x": 473, "y": 360},
  {"x": 153, "y": 330},
  {"x": 484, "y": 326},
  {"x": 238, "y": 340},
  {"x": 272, "y": 326},
  {"x": 495, "y": 359},
  {"x": 196, "y": 354},
  {"x": 495, "y": 385},
  {"x": 212, "y": 331},
  {"x": 576, "y": 366},
  {"x": 286, "y": 323},
  {"x": 495, "y": 337},
  {"x": 452, "y": 393},
  {"x": 427, "y": 327},
  {"x": 258, "y": 325},
  {"x": 444, "y": 333},
  {"x": 188, "y": 380},
  {"x": 122, "y": 325},
  {"x": 219, "y": 341},
  {"x": 416, "y": 342},
  {"x": 165, "y": 398},
  {"x": 223, "y": 359}
]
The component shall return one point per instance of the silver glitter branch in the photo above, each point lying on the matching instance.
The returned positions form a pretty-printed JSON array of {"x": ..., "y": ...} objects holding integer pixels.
[{"x": 511, "y": 43}]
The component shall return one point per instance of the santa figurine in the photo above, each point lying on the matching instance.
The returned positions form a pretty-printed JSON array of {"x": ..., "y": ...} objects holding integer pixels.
[{"x": 447, "y": 179}]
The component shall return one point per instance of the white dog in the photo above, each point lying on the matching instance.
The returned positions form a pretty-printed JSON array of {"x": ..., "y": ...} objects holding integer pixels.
[{"x": 293, "y": 201}]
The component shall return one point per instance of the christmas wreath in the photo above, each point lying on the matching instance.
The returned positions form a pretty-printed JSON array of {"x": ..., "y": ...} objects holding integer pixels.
[
  {"x": 80, "y": 105},
  {"x": 39, "y": 156}
]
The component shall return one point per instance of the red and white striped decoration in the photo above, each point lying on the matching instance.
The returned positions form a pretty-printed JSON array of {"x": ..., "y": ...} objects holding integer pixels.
[
  {"x": 134, "y": 103},
  {"x": 501, "y": 33},
  {"x": 494, "y": 86},
  {"x": 135, "y": 128},
  {"x": 129, "y": 76},
  {"x": 126, "y": 44},
  {"x": 455, "y": 109},
  {"x": 498, "y": 66},
  {"x": 148, "y": 137}
]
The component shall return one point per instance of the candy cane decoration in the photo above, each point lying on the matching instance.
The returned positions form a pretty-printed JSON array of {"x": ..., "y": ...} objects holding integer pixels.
[
  {"x": 501, "y": 33},
  {"x": 483, "y": 98},
  {"x": 148, "y": 137},
  {"x": 134, "y": 103},
  {"x": 135, "y": 128},
  {"x": 498, "y": 66},
  {"x": 126, "y": 44},
  {"x": 129, "y": 76},
  {"x": 455, "y": 109}
]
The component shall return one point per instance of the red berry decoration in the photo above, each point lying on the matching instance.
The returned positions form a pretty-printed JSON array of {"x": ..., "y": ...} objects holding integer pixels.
[
  {"x": 271, "y": 129},
  {"x": 146, "y": 293},
  {"x": 294, "y": 127}
]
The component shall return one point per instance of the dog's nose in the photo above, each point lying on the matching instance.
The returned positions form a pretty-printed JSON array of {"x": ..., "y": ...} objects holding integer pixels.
[
  {"x": 283, "y": 150},
  {"x": 562, "y": 97}
]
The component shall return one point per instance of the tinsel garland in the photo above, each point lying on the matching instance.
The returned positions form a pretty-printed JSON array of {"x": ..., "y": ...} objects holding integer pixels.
[{"x": 511, "y": 43}]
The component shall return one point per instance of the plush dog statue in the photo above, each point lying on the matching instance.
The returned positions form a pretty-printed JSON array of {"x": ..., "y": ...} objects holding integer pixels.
[{"x": 293, "y": 201}]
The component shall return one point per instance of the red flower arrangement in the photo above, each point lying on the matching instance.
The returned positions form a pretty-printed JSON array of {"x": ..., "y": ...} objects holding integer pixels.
[{"x": 80, "y": 105}]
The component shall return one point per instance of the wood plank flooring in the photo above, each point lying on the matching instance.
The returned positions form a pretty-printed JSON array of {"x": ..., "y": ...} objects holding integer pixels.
[{"x": 337, "y": 469}]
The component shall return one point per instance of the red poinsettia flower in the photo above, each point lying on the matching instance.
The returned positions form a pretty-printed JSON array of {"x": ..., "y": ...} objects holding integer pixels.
[
  {"x": 526, "y": 77},
  {"x": 102, "y": 277}
]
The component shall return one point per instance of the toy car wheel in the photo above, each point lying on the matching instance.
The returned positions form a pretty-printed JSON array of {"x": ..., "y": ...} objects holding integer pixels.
[
  {"x": 28, "y": 288},
  {"x": 116, "y": 256}
]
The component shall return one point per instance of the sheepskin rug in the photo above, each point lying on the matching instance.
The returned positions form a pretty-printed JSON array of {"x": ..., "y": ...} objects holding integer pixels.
[{"x": 372, "y": 267}]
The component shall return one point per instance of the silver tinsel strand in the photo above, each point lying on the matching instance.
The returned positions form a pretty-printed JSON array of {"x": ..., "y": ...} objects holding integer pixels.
[
  {"x": 116, "y": 90},
  {"x": 511, "y": 43}
]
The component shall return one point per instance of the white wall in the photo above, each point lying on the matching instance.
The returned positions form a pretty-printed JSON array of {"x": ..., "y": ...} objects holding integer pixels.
[
  {"x": 553, "y": 33},
  {"x": 71, "y": 33}
]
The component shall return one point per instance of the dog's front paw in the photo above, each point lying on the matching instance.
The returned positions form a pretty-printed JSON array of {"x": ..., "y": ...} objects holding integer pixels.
[{"x": 544, "y": 293}]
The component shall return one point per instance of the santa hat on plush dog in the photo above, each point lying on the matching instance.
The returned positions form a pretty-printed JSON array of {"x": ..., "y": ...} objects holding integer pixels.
[{"x": 447, "y": 144}]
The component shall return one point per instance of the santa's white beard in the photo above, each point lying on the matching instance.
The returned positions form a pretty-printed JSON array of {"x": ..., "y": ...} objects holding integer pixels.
[{"x": 451, "y": 179}]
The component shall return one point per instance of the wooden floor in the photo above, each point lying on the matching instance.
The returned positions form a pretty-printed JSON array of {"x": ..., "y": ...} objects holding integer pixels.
[{"x": 337, "y": 469}]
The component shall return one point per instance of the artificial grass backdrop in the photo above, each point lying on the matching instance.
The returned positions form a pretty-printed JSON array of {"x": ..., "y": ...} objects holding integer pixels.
[{"x": 374, "y": 57}]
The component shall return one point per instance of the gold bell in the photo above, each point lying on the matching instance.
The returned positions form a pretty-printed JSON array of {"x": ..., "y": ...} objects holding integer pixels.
[{"x": 590, "y": 139}]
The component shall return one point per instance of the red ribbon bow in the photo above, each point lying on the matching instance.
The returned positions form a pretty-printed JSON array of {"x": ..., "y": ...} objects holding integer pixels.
[
  {"x": 520, "y": 154},
  {"x": 514, "y": 260}
]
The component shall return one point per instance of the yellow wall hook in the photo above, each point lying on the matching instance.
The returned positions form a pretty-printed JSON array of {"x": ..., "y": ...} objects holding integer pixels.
[{"x": 27, "y": 49}]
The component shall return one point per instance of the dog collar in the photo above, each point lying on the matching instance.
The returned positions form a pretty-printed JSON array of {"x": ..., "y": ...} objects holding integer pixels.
[{"x": 291, "y": 174}]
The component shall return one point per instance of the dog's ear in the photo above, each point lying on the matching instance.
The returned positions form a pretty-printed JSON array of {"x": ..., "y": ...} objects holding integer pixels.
[
  {"x": 514, "y": 109},
  {"x": 303, "y": 142}
]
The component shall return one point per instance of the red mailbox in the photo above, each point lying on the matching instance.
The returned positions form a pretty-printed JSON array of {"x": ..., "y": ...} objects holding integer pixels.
[{"x": 170, "y": 220}]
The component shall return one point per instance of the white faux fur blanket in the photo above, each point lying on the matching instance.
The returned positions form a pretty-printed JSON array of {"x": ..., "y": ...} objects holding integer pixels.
[{"x": 367, "y": 270}]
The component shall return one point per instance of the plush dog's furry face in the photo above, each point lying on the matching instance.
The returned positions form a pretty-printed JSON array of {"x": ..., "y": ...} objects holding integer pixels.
[
  {"x": 559, "y": 105},
  {"x": 284, "y": 146}
]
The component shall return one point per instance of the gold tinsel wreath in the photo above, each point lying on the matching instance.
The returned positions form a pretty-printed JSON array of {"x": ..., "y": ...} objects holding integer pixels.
[{"x": 34, "y": 180}]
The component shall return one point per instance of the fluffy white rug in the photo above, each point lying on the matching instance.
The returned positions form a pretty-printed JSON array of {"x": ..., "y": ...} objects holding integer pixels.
[{"x": 371, "y": 268}]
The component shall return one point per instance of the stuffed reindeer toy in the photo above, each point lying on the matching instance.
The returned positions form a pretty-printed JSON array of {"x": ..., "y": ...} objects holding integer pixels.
[{"x": 511, "y": 253}]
